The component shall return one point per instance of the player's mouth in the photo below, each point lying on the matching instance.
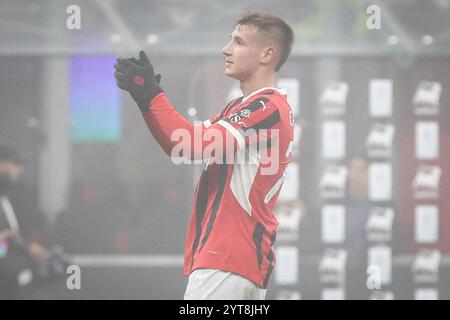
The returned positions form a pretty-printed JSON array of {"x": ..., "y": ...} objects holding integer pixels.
[{"x": 228, "y": 63}]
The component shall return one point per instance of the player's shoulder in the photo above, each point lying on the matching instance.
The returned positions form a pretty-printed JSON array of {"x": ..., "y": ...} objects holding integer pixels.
[
  {"x": 270, "y": 98},
  {"x": 271, "y": 95}
]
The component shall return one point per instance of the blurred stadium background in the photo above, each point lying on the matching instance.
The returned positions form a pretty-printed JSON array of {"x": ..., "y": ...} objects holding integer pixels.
[{"x": 369, "y": 184}]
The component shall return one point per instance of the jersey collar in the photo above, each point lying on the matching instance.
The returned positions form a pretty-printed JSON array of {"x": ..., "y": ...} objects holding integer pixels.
[{"x": 281, "y": 91}]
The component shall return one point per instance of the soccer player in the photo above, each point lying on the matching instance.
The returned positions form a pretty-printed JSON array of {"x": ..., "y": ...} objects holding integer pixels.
[{"x": 229, "y": 245}]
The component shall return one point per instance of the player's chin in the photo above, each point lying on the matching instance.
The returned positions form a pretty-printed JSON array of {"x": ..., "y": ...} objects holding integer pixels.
[{"x": 230, "y": 73}]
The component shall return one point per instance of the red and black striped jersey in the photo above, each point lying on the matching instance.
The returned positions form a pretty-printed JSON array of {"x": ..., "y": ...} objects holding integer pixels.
[{"x": 233, "y": 226}]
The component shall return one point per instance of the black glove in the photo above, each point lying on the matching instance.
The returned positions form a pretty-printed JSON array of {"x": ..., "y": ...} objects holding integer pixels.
[{"x": 138, "y": 78}]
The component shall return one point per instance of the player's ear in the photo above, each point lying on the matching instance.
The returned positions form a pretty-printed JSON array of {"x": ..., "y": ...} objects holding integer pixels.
[{"x": 268, "y": 55}]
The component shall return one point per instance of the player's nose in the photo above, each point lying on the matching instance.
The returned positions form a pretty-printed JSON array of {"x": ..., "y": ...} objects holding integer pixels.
[{"x": 226, "y": 50}]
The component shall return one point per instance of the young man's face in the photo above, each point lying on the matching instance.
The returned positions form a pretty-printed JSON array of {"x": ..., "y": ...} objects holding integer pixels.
[{"x": 243, "y": 52}]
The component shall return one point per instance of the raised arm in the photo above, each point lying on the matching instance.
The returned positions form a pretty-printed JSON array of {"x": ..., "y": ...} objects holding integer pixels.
[{"x": 176, "y": 135}]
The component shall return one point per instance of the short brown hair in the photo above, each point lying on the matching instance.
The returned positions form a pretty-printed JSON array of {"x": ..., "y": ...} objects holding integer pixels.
[{"x": 274, "y": 27}]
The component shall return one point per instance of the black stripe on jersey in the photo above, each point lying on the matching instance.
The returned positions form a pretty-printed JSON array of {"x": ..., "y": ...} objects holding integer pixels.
[
  {"x": 255, "y": 104},
  {"x": 223, "y": 110},
  {"x": 266, "y": 145},
  {"x": 258, "y": 235},
  {"x": 251, "y": 107},
  {"x": 202, "y": 201},
  {"x": 270, "y": 258},
  {"x": 217, "y": 200},
  {"x": 229, "y": 107},
  {"x": 267, "y": 123}
]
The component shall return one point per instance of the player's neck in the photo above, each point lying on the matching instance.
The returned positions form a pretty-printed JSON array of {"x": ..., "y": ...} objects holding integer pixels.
[{"x": 256, "y": 83}]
